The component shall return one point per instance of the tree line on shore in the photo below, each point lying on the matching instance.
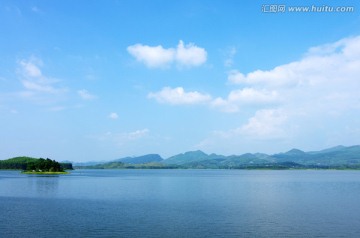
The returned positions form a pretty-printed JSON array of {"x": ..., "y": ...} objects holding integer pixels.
[{"x": 33, "y": 164}]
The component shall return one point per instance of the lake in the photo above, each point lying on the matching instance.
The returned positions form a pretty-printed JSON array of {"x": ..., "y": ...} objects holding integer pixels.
[{"x": 181, "y": 203}]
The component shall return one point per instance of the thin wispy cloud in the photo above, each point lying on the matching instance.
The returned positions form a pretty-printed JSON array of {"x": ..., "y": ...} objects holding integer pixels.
[
  {"x": 35, "y": 9},
  {"x": 113, "y": 116},
  {"x": 34, "y": 80},
  {"x": 124, "y": 138},
  {"x": 230, "y": 54},
  {"x": 86, "y": 95}
]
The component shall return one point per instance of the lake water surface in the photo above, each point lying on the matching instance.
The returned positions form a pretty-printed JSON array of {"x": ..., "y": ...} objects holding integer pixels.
[{"x": 181, "y": 203}]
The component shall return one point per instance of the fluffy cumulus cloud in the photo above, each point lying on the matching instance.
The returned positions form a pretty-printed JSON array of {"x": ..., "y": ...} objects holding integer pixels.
[
  {"x": 326, "y": 78},
  {"x": 336, "y": 63},
  {"x": 152, "y": 56},
  {"x": 245, "y": 97},
  {"x": 178, "y": 96},
  {"x": 273, "y": 130},
  {"x": 311, "y": 99},
  {"x": 315, "y": 98},
  {"x": 188, "y": 55},
  {"x": 265, "y": 124}
]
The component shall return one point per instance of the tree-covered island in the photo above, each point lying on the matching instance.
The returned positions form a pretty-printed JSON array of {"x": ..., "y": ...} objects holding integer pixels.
[{"x": 30, "y": 165}]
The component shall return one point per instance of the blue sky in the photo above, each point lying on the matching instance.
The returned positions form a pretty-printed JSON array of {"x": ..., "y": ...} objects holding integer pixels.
[{"x": 100, "y": 80}]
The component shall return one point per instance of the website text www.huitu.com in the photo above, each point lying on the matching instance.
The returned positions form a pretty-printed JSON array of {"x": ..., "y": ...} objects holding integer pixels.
[{"x": 280, "y": 8}]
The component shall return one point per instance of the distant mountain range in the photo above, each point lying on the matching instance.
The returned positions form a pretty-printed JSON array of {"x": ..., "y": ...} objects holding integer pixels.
[
  {"x": 141, "y": 159},
  {"x": 339, "y": 157},
  {"x": 149, "y": 158}
]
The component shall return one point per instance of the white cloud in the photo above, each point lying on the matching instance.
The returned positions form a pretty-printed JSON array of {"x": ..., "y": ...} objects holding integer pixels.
[
  {"x": 178, "y": 96},
  {"x": 113, "y": 116},
  {"x": 265, "y": 124},
  {"x": 84, "y": 94},
  {"x": 332, "y": 63},
  {"x": 34, "y": 80},
  {"x": 37, "y": 86},
  {"x": 324, "y": 80},
  {"x": 245, "y": 97},
  {"x": 250, "y": 95},
  {"x": 136, "y": 134},
  {"x": 314, "y": 100},
  {"x": 235, "y": 100},
  {"x": 279, "y": 76},
  {"x": 159, "y": 57},
  {"x": 31, "y": 67},
  {"x": 152, "y": 56},
  {"x": 319, "y": 81},
  {"x": 225, "y": 105},
  {"x": 268, "y": 131},
  {"x": 190, "y": 54}
]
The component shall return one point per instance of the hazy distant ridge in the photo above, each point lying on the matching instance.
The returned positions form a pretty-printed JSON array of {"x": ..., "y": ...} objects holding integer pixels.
[
  {"x": 339, "y": 157},
  {"x": 141, "y": 159}
]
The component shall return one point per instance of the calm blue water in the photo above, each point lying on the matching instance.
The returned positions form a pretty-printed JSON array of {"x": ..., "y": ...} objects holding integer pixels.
[{"x": 181, "y": 203}]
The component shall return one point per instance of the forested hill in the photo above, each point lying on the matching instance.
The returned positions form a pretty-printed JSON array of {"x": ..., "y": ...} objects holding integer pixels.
[{"x": 29, "y": 163}]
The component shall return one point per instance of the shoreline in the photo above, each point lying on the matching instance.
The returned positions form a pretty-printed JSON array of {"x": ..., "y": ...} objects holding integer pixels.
[{"x": 44, "y": 173}]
